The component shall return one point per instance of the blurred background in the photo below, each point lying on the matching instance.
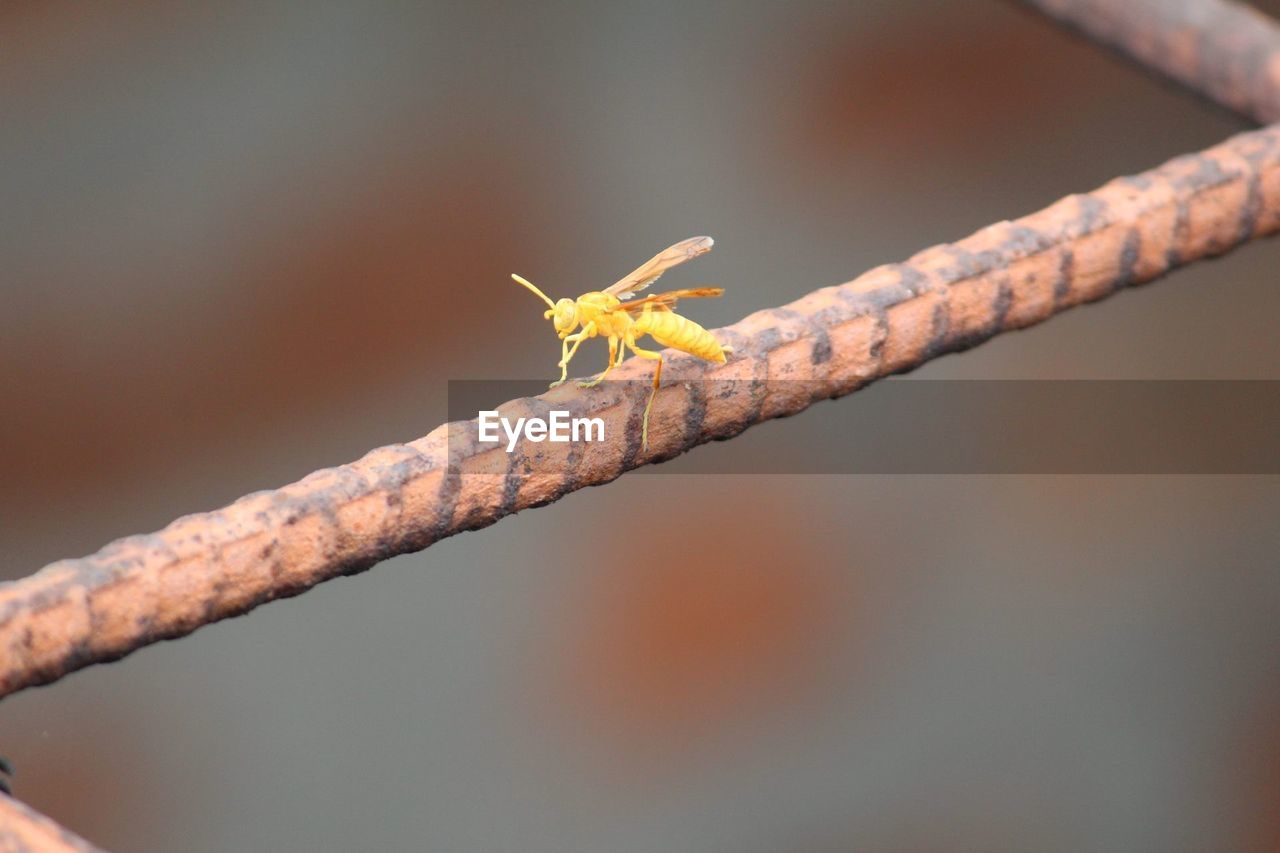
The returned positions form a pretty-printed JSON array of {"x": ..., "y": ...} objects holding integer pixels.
[{"x": 243, "y": 240}]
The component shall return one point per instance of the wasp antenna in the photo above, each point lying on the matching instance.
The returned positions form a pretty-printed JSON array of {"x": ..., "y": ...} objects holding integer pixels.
[{"x": 539, "y": 293}]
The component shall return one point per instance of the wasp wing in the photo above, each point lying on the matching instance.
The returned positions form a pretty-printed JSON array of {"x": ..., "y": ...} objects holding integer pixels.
[
  {"x": 668, "y": 300},
  {"x": 648, "y": 272}
]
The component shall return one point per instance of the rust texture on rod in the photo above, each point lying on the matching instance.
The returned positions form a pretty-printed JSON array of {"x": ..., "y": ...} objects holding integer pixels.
[
  {"x": 402, "y": 498},
  {"x": 1226, "y": 51},
  {"x": 22, "y": 828}
]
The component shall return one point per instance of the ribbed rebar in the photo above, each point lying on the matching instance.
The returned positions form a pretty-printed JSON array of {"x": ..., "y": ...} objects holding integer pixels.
[
  {"x": 402, "y": 498},
  {"x": 1226, "y": 51}
]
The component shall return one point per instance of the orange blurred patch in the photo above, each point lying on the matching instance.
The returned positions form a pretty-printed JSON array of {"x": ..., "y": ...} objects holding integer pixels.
[
  {"x": 704, "y": 619},
  {"x": 332, "y": 301},
  {"x": 942, "y": 88},
  {"x": 388, "y": 285},
  {"x": 1258, "y": 760}
]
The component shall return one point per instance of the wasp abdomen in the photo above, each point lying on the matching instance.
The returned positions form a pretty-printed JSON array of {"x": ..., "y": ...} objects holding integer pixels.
[{"x": 672, "y": 330}]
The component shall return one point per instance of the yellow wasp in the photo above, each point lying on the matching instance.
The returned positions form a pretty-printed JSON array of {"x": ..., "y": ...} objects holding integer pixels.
[{"x": 608, "y": 313}]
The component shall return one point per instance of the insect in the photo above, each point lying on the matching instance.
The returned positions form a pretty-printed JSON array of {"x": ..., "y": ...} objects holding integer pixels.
[{"x": 613, "y": 314}]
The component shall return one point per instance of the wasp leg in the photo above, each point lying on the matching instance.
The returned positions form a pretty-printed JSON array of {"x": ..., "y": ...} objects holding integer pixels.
[
  {"x": 657, "y": 378},
  {"x": 614, "y": 360},
  {"x": 567, "y": 352}
]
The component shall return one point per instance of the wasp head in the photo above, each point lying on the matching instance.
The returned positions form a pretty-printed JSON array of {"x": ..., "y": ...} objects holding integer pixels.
[{"x": 564, "y": 314}]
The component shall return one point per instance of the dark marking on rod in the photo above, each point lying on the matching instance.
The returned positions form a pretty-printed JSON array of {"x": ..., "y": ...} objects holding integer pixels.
[
  {"x": 1251, "y": 211},
  {"x": 757, "y": 386},
  {"x": 1066, "y": 271},
  {"x": 465, "y": 440},
  {"x": 351, "y": 485},
  {"x": 920, "y": 283},
  {"x": 1093, "y": 213},
  {"x": 393, "y": 476},
  {"x": 941, "y": 328},
  {"x": 875, "y": 304},
  {"x": 450, "y": 491},
  {"x": 743, "y": 348},
  {"x": 912, "y": 279},
  {"x": 1206, "y": 173},
  {"x": 511, "y": 480},
  {"x": 834, "y": 314},
  {"x": 759, "y": 389},
  {"x": 518, "y": 464},
  {"x": 867, "y": 302},
  {"x": 344, "y": 483},
  {"x": 1178, "y": 238},
  {"x": 871, "y": 304},
  {"x": 695, "y": 415},
  {"x": 352, "y": 566},
  {"x": 1001, "y": 304},
  {"x": 573, "y": 463},
  {"x": 773, "y": 336},
  {"x": 821, "y": 352},
  {"x": 397, "y": 476},
  {"x": 213, "y": 604},
  {"x": 967, "y": 264},
  {"x": 876, "y": 350},
  {"x": 635, "y": 426},
  {"x": 735, "y": 339},
  {"x": 1024, "y": 241},
  {"x": 969, "y": 340},
  {"x": 1128, "y": 262}
]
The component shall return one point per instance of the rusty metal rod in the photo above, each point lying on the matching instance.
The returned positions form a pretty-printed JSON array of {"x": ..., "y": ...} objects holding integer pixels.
[
  {"x": 22, "y": 828},
  {"x": 398, "y": 499},
  {"x": 402, "y": 498},
  {"x": 1226, "y": 51}
]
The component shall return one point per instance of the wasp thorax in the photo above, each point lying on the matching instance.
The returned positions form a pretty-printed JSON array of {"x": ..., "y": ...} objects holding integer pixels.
[{"x": 565, "y": 316}]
